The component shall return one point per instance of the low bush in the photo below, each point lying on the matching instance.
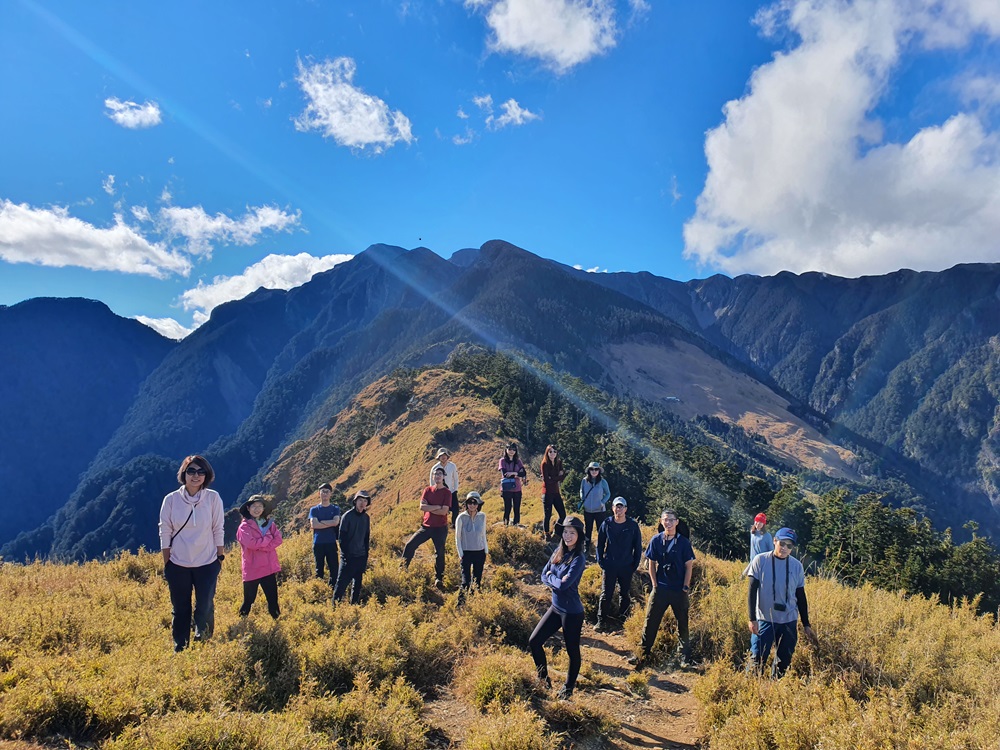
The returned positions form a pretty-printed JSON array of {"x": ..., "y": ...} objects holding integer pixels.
[
  {"x": 486, "y": 678},
  {"x": 520, "y": 548},
  {"x": 515, "y": 727}
]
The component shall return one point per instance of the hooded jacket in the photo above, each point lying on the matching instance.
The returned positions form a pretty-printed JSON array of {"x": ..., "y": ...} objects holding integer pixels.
[
  {"x": 260, "y": 548},
  {"x": 594, "y": 496}
]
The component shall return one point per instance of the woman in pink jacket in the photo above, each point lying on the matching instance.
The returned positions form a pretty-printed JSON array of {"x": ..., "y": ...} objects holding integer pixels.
[{"x": 259, "y": 538}]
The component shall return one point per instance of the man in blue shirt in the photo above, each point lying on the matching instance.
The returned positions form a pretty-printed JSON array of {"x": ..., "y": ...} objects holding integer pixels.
[
  {"x": 776, "y": 599},
  {"x": 671, "y": 560},
  {"x": 324, "y": 520}
]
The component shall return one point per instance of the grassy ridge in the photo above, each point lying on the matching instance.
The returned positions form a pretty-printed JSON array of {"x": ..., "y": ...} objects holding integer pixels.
[{"x": 85, "y": 655}]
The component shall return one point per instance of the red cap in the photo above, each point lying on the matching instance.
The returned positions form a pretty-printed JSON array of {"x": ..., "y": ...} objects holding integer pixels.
[{"x": 760, "y": 518}]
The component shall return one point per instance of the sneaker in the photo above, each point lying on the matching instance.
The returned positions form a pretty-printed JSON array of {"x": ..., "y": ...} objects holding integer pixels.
[
  {"x": 439, "y": 584},
  {"x": 564, "y": 694},
  {"x": 602, "y": 628}
]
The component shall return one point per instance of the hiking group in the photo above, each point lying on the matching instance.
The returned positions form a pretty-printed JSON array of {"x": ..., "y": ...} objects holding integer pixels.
[{"x": 193, "y": 552}]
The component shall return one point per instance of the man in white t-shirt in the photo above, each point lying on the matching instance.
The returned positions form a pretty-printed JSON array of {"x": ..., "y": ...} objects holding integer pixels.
[{"x": 776, "y": 600}]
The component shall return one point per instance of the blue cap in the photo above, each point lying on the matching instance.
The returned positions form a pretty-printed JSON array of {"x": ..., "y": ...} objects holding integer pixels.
[{"x": 786, "y": 533}]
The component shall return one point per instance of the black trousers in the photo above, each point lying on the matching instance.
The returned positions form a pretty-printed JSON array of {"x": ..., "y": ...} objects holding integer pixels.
[
  {"x": 454, "y": 508},
  {"x": 270, "y": 586},
  {"x": 552, "y": 500},
  {"x": 351, "y": 571},
  {"x": 438, "y": 535},
  {"x": 549, "y": 625},
  {"x": 612, "y": 577},
  {"x": 511, "y": 500},
  {"x": 325, "y": 554},
  {"x": 182, "y": 581},
  {"x": 473, "y": 561},
  {"x": 656, "y": 607},
  {"x": 591, "y": 520}
]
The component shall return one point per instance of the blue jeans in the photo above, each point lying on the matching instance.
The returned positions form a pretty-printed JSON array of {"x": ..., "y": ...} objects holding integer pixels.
[{"x": 783, "y": 634}]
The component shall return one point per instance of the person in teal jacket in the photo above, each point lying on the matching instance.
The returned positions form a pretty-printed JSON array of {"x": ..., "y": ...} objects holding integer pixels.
[{"x": 594, "y": 496}]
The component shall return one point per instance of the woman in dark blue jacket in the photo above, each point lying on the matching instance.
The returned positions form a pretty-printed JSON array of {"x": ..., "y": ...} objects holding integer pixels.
[{"x": 562, "y": 574}]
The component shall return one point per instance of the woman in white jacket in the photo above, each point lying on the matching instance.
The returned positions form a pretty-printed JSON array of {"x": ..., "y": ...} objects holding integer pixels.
[
  {"x": 191, "y": 540},
  {"x": 470, "y": 541}
]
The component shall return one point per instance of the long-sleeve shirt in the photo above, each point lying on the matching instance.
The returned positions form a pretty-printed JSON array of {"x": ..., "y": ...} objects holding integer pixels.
[
  {"x": 552, "y": 475},
  {"x": 565, "y": 594},
  {"x": 593, "y": 496},
  {"x": 355, "y": 533},
  {"x": 450, "y": 475},
  {"x": 197, "y": 541},
  {"x": 619, "y": 545},
  {"x": 514, "y": 466},
  {"x": 470, "y": 533}
]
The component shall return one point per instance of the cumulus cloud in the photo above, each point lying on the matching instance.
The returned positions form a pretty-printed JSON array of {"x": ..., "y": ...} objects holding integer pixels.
[
  {"x": 109, "y": 184},
  {"x": 345, "y": 113},
  {"x": 271, "y": 272},
  {"x": 800, "y": 174},
  {"x": 560, "y": 33},
  {"x": 131, "y": 115},
  {"x": 51, "y": 237},
  {"x": 159, "y": 244},
  {"x": 165, "y": 327},
  {"x": 201, "y": 230},
  {"x": 513, "y": 114}
]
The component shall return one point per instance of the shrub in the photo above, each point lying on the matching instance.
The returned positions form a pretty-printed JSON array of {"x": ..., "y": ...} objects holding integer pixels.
[
  {"x": 516, "y": 727},
  {"x": 501, "y": 677},
  {"x": 505, "y": 580},
  {"x": 230, "y": 731},
  {"x": 387, "y": 718},
  {"x": 578, "y": 719},
  {"x": 272, "y": 669},
  {"x": 637, "y": 683},
  {"x": 519, "y": 548},
  {"x": 508, "y": 620}
]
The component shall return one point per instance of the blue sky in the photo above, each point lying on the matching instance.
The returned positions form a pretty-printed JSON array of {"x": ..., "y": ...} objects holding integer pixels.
[{"x": 167, "y": 157}]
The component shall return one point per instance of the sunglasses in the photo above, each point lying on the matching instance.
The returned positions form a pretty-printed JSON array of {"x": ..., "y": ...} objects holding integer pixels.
[
  {"x": 193, "y": 471},
  {"x": 786, "y": 544}
]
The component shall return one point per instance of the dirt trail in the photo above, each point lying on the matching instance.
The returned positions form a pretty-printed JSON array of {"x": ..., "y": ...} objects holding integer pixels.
[{"x": 667, "y": 718}]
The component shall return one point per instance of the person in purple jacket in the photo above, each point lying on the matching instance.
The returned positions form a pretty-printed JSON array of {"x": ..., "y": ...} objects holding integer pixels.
[
  {"x": 259, "y": 539},
  {"x": 562, "y": 574}
]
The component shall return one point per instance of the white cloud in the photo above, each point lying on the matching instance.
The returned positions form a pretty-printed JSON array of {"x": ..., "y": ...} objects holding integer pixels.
[
  {"x": 271, "y": 272},
  {"x": 132, "y": 115},
  {"x": 109, "y": 184},
  {"x": 51, "y": 237},
  {"x": 513, "y": 114},
  {"x": 800, "y": 175},
  {"x": 165, "y": 327},
  {"x": 484, "y": 102},
  {"x": 464, "y": 140},
  {"x": 982, "y": 91},
  {"x": 141, "y": 213},
  {"x": 675, "y": 193},
  {"x": 461, "y": 114},
  {"x": 343, "y": 112},
  {"x": 166, "y": 196},
  {"x": 560, "y": 33},
  {"x": 201, "y": 230}
]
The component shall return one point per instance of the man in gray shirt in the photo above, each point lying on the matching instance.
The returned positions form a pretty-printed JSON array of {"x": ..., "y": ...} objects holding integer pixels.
[{"x": 777, "y": 598}]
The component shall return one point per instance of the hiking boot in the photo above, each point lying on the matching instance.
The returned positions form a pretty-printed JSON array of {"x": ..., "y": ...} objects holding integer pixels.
[
  {"x": 602, "y": 627},
  {"x": 439, "y": 584},
  {"x": 564, "y": 694}
]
